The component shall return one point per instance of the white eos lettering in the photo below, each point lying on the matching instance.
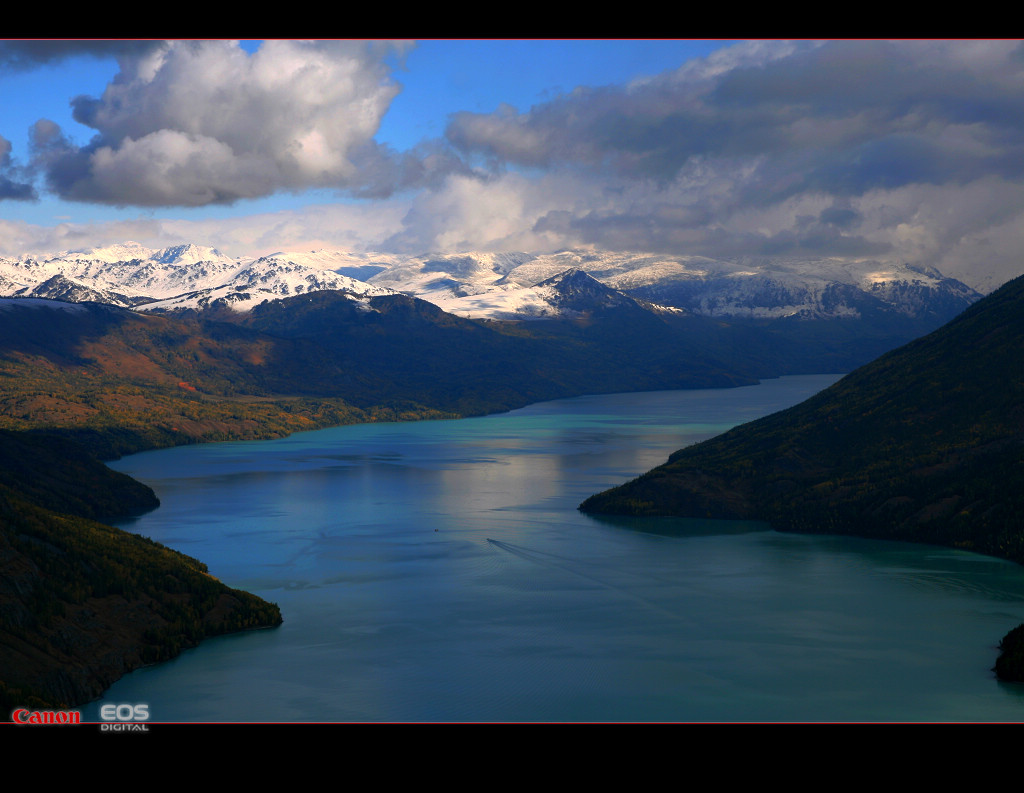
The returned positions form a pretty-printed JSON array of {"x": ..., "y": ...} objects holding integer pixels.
[{"x": 124, "y": 712}]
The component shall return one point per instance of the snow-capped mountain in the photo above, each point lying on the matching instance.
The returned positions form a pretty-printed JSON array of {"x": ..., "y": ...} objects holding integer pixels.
[
  {"x": 488, "y": 285},
  {"x": 180, "y": 277},
  {"x": 574, "y": 293},
  {"x": 60, "y": 287},
  {"x": 509, "y": 285},
  {"x": 188, "y": 254},
  {"x": 808, "y": 289},
  {"x": 361, "y": 266},
  {"x": 121, "y": 252}
]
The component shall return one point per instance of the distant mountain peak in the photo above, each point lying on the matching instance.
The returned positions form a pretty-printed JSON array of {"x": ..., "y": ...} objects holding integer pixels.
[
  {"x": 570, "y": 276},
  {"x": 187, "y": 253},
  {"x": 518, "y": 285},
  {"x": 119, "y": 252},
  {"x": 575, "y": 290}
]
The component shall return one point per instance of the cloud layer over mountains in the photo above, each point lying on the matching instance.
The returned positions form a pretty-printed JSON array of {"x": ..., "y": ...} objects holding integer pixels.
[{"x": 906, "y": 151}]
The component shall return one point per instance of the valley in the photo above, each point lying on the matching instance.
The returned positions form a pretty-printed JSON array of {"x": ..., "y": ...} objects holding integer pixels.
[
  {"x": 456, "y": 361},
  {"x": 115, "y": 356}
]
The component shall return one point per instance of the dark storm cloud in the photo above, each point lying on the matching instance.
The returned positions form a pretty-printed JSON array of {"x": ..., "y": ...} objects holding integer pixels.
[
  {"x": 653, "y": 128},
  {"x": 952, "y": 81},
  {"x": 15, "y": 182},
  {"x": 30, "y": 54},
  {"x": 652, "y": 232},
  {"x": 16, "y": 191},
  {"x": 849, "y": 148},
  {"x": 843, "y": 116},
  {"x": 840, "y": 217},
  {"x": 384, "y": 171}
]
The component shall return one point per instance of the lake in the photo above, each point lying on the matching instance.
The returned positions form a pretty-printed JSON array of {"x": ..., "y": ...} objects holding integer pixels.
[{"x": 439, "y": 571}]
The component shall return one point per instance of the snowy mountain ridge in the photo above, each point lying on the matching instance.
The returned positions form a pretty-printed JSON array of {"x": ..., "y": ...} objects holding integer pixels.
[
  {"x": 484, "y": 284},
  {"x": 179, "y": 277},
  {"x": 510, "y": 286}
]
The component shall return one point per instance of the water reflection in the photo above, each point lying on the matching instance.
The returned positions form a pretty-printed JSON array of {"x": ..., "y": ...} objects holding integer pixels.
[{"x": 440, "y": 570}]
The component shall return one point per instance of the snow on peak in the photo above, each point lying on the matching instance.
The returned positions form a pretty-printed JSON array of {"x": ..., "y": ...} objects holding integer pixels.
[
  {"x": 121, "y": 252},
  {"x": 188, "y": 254},
  {"x": 496, "y": 285}
]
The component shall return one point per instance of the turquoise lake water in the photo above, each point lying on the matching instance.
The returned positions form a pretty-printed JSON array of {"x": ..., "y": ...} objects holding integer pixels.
[{"x": 439, "y": 571}]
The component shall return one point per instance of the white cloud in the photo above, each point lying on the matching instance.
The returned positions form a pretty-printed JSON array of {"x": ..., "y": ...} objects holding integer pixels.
[
  {"x": 355, "y": 227},
  {"x": 202, "y": 122},
  {"x": 909, "y": 151}
]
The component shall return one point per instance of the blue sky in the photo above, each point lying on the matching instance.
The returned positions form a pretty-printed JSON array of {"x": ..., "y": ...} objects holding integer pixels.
[
  {"x": 444, "y": 77},
  {"x": 905, "y": 150},
  {"x": 437, "y": 78}
]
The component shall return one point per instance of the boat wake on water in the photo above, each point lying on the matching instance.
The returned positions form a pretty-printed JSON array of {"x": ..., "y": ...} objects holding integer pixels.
[{"x": 573, "y": 566}]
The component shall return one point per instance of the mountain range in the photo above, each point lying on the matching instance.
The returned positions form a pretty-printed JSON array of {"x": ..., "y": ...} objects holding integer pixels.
[
  {"x": 486, "y": 285},
  {"x": 755, "y": 318},
  {"x": 125, "y": 348}
]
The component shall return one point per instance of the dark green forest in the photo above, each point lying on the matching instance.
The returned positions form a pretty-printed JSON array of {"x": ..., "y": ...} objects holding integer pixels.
[{"x": 82, "y": 603}]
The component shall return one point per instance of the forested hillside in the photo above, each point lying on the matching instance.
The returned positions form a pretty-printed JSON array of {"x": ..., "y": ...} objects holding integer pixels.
[
  {"x": 82, "y": 603},
  {"x": 924, "y": 444}
]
